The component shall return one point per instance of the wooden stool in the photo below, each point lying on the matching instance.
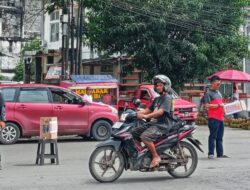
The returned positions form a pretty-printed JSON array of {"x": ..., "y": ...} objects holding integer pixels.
[{"x": 53, "y": 156}]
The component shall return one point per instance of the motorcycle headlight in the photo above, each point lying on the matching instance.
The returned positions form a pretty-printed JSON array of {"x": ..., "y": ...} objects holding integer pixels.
[{"x": 123, "y": 117}]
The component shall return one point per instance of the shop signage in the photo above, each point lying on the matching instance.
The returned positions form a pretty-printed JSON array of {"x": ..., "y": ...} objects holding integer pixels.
[
  {"x": 96, "y": 93},
  {"x": 54, "y": 72}
]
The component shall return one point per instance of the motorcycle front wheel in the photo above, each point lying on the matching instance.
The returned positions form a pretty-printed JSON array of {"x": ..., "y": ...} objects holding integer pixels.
[
  {"x": 105, "y": 164},
  {"x": 186, "y": 160}
]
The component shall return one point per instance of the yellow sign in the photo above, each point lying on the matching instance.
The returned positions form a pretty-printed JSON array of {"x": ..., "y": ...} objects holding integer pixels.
[{"x": 96, "y": 93}]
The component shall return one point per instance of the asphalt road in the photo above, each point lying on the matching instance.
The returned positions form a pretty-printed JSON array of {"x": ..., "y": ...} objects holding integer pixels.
[{"x": 20, "y": 172}]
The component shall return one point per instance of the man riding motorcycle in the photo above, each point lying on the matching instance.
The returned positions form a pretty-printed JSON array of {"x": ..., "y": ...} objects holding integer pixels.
[{"x": 159, "y": 113}]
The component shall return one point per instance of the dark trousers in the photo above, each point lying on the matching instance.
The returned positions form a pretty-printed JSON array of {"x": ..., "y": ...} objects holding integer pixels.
[{"x": 216, "y": 128}]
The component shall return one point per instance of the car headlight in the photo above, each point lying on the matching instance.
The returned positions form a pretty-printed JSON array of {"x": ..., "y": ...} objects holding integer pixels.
[{"x": 194, "y": 110}]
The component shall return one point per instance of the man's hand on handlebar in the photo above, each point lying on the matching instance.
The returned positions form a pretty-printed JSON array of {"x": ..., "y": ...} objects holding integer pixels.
[{"x": 142, "y": 116}]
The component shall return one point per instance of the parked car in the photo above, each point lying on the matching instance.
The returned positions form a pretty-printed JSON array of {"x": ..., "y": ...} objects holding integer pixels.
[
  {"x": 26, "y": 103},
  {"x": 185, "y": 110}
]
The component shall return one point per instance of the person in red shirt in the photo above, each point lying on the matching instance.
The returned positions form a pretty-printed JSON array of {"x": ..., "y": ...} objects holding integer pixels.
[{"x": 215, "y": 110}]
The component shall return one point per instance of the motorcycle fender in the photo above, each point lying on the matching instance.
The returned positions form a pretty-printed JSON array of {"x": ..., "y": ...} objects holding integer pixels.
[
  {"x": 114, "y": 143},
  {"x": 196, "y": 143}
]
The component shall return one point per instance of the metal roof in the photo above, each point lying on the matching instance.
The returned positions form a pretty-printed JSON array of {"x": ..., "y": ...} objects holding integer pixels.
[{"x": 92, "y": 78}]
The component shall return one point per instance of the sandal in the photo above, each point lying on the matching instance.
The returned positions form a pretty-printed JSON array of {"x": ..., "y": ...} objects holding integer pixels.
[{"x": 155, "y": 162}]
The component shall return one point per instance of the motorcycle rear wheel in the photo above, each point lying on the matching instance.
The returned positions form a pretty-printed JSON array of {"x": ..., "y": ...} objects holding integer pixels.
[
  {"x": 105, "y": 164},
  {"x": 192, "y": 156}
]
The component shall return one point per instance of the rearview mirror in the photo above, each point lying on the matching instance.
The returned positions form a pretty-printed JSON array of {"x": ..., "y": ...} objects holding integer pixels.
[
  {"x": 136, "y": 102},
  {"x": 143, "y": 106},
  {"x": 80, "y": 101}
]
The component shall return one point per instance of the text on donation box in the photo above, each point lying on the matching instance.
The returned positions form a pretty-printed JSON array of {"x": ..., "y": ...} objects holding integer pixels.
[{"x": 48, "y": 127}]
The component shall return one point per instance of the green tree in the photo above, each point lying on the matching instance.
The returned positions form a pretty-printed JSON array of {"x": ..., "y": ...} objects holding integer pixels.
[
  {"x": 184, "y": 39},
  {"x": 34, "y": 45},
  {"x": 2, "y": 77},
  {"x": 19, "y": 72}
]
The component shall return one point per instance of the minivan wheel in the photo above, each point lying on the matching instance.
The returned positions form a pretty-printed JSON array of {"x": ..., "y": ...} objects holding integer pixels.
[
  {"x": 10, "y": 134},
  {"x": 101, "y": 130}
]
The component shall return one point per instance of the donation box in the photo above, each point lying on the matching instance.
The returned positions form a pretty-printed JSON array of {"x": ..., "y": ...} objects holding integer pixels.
[{"x": 48, "y": 127}]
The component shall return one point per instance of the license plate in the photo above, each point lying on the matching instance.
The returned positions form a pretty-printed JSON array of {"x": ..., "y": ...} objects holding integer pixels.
[
  {"x": 186, "y": 114},
  {"x": 117, "y": 125}
]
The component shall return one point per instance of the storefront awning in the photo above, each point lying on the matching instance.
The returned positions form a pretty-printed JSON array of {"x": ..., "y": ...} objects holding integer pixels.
[
  {"x": 96, "y": 87},
  {"x": 81, "y": 79}
]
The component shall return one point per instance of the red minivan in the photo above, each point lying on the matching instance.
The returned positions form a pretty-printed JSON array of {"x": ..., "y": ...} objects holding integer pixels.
[{"x": 26, "y": 103}]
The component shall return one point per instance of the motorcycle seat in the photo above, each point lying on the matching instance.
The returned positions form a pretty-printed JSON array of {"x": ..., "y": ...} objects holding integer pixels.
[{"x": 176, "y": 127}]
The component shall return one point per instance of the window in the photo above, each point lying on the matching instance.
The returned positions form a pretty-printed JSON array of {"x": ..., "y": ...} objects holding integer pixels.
[
  {"x": 54, "y": 32},
  {"x": 107, "y": 69},
  {"x": 9, "y": 94},
  {"x": 34, "y": 95},
  {"x": 145, "y": 95},
  {"x": 54, "y": 16},
  {"x": 64, "y": 97},
  {"x": 50, "y": 60}
]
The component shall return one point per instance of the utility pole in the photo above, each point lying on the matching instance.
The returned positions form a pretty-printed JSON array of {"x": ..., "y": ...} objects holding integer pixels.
[
  {"x": 25, "y": 79},
  {"x": 67, "y": 40},
  {"x": 72, "y": 39},
  {"x": 27, "y": 68},
  {"x": 80, "y": 39},
  {"x": 64, "y": 21},
  {"x": 77, "y": 38}
]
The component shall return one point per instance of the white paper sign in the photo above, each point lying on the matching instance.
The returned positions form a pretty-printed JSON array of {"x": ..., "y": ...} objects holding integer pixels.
[
  {"x": 234, "y": 107},
  {"x": 53, "y": 127}
]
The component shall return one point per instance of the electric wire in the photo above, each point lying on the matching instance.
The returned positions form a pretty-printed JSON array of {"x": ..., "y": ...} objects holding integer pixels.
[
  {"x": 154, "y": 15},
  {"x": 173, "y": 15}
]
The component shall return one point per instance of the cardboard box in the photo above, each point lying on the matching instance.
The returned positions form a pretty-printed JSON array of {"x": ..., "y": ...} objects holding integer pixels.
[
  {"x": 234, "y": 107},
  {"x": 48, "y": 127}
]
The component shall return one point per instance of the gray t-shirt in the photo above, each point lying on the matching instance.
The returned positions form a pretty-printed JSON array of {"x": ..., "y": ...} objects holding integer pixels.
[
  {"x": 162, "y": 102},
  {"x": 211, "y": 96}
]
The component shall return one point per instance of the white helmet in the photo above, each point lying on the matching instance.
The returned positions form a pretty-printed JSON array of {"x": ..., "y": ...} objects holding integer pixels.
[{"x": 162, "y": 79}]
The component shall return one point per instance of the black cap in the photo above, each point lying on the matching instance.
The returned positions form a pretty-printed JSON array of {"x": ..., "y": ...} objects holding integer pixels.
[{"x": 214, "y": 78}]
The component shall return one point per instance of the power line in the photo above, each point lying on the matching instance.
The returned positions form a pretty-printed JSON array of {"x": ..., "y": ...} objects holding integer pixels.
[
  {"x": 201, "y": 12},
  {"x": 171, "y": 17},
  {"x": 173, "y": 21}
]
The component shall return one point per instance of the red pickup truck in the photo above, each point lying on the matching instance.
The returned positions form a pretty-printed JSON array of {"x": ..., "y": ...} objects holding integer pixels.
[{"x": 185, "y": 110}]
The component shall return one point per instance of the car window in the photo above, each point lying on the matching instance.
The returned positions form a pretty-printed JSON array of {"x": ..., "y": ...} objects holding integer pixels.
[
  {"x": 145, "y": 95},
  {"x": 64, "y": 97},
  {"x": 9, "y": 94},
  {"x": 34, "y": 95}
]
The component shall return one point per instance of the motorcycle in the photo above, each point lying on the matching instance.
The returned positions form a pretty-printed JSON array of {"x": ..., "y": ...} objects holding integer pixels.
[{"x": 179, "y": 158}]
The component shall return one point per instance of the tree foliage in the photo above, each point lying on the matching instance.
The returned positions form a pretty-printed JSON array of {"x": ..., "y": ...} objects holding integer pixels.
[
  {"x": 19, "y": 72},
  {"x": 184, "y": 39},
  {"x": 34, "y": 45},
  {"x": 2, "y": 77}
]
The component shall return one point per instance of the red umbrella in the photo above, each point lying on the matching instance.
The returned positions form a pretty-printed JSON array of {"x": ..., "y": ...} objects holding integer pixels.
[{"x": 232, "y": 75}]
